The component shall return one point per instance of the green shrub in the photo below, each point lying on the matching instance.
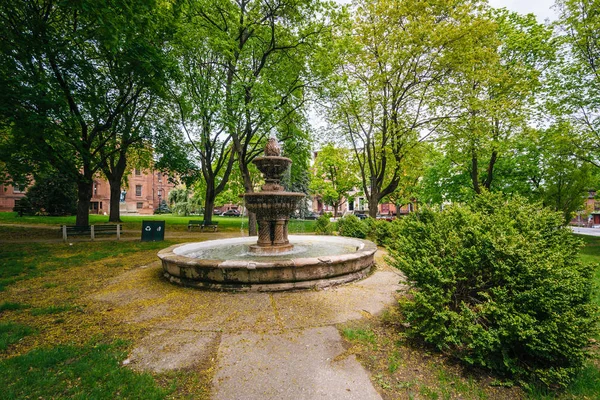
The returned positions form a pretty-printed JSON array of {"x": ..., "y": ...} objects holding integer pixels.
[
  {"x": 353, "y": 227},
  {"x": 498, "y": 284},
  {"x": 323, "y": 226},
  {"x": 52, "y": 194},
  {"x": 380, "y": 231}
]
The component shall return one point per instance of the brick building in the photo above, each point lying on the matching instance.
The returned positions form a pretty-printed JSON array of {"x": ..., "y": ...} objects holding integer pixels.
[{"x": 145, "y": 191}]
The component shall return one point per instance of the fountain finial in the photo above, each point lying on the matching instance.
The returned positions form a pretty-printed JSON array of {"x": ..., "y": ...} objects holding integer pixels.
[{"x": 272, "y": 148}]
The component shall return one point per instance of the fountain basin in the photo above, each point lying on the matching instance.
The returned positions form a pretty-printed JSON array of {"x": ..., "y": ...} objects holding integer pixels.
[{"x": 315, "y": 262}]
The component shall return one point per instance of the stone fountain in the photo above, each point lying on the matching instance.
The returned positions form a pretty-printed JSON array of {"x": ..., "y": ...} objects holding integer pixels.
[
  {"x": 272, "y": 205},
  {"x": 275, "y": 262}
]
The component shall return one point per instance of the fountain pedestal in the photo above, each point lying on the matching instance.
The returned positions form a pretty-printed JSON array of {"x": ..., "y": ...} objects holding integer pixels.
[
  {"x": 277, "y": 243},
  {"x": 272, "y": 205}
]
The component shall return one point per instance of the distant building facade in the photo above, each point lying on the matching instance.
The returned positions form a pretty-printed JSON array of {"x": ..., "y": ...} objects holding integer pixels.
[{"x": 145, "y": 191}]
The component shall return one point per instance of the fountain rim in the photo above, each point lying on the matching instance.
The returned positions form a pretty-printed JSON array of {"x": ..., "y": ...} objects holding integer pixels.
[{"x": 170, "y": 254}]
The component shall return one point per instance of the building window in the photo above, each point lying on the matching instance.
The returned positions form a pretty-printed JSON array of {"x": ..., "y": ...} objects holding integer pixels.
[
  {"x": 159, "y": 177},
  {"x": 19, "y": 189},
  {"x": 101, "y": 205},
  {"x": 138, "y": 190},
  {"x": 159, "y": 193},
  {"x": 138, "y": 172},
  {"x": 95, "y": 189},
  {"x": 140, "y": 204}
]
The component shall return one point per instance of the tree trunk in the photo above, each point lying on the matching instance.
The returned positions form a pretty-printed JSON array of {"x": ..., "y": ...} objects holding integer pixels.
[
  {"x": 84, "y": 195},
  {"x": 490, "y": 170},
  {"x": 115, "y": 200},
  {"x": 373, "y": 203},
  {"x": 249, "y": 188},
  {"x": 114, "y": 172},
  {"x": 335, "y": 212},
  {"x": 209, "y": 203},
  {"x": 475, "y": 174},
  {"x": 373, "y": 200}
]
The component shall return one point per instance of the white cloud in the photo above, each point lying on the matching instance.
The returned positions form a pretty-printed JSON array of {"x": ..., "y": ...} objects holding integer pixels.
[{"x": 543, "y": 9}]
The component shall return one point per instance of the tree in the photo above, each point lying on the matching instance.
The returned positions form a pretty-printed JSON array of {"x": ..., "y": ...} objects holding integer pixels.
[
  {"x": 131, "y": 132},
  {"x": 495, "y": 97},
  {"x": 575, "y": 89},
  {"x": 201, "y": 108},
  {"x": 562, "y": 180},
  {"x": 183, "y": 202},
  {"x": 395, "y": 58},
  {"x": 70, "y": 72},
  {"x": 334, "y": 176},
  {"x": 267, "y": 46}
]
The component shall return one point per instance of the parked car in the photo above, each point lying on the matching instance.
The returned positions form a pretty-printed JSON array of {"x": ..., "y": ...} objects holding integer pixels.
[
  {"x": 311, "y": 215},
  {"x": 231, "y": 213},
  {"x": 361, "y": 215}
]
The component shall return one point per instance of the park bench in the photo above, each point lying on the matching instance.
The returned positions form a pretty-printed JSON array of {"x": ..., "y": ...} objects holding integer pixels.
[
  {"x": 202, "y": 225},
  {"x": 91, "y": 230}
]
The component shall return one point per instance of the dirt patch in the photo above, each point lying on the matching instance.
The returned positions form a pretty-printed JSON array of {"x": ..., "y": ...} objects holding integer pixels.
[{"x": 169, "y": 350}]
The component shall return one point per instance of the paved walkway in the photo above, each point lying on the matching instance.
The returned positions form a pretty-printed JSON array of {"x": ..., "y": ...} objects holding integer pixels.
[
  {"x": 586, "y": 231},
  {"x": 261, "y": 345}
]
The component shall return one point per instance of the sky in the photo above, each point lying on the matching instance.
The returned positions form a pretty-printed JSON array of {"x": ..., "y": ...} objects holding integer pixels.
[{"x": 541, "y": 8}]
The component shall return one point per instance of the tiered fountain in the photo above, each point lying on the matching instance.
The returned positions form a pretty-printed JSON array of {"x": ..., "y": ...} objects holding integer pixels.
[
  {"x": 274, "y": 262},
  {"x": 272, "y": 205}
]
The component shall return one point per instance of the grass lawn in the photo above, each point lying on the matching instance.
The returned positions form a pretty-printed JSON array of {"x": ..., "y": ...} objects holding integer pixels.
[
  {"x": 57, "y": 343},
  {"x": 172, "y": 222}
]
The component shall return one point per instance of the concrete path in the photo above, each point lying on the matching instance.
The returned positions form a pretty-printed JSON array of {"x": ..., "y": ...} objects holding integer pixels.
[
  {"x": 261, "y": 345},
  {"x": 302, "y": 364},
  {"x": 586, "y": 231}
]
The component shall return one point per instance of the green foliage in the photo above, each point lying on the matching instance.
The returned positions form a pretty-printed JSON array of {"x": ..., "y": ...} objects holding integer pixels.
[
  {"x": 574, "y": 88},
  {"x": 91, "y": 372},
  {"x": 75, "y": 76},
  {"x": 182, "y": 203},
  {"x": 380, "y": 231},
  {"x": 11, "y": 333},
  {"x": 352, "y": 226},
  {"x": 53, "y": 194},
  {"x": 162, "y": 208},
  {"x": 396, "y": 62},
  {"x": 323, "y": 226},
  {"x": 498, "y": 284},
  {"x": 334, "y": 177}
]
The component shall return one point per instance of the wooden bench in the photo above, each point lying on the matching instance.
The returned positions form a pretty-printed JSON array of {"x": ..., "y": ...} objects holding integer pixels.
[
  {"x": 203, "y": 224},
  {"x": 91, "y": 230}
]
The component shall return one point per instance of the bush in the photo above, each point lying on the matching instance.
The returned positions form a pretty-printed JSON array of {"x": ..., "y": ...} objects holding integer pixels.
[
  {"x": 52, "y": 194},
  {"x": 380, "y": 231},
  {"x": 323, "y": 226},
  {"x": 162, "y": 208},
  {"x": 353, "y": 227},
  {"x": 498, "y": 284}
]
